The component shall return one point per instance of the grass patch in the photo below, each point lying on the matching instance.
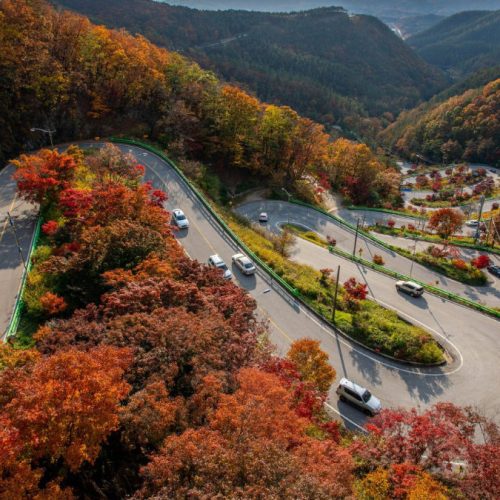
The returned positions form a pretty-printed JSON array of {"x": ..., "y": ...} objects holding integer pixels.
[{"x": 307, "y": 235}]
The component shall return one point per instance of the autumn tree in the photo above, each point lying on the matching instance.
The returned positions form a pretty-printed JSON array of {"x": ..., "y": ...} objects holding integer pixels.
[
  {"x": 65, "y": 406},
  {"x": 254, "y": 443},
  {"x": 446, "y": 221},
  {"x": 312, "y": 363},
  {"x": 42, "y": 176}
]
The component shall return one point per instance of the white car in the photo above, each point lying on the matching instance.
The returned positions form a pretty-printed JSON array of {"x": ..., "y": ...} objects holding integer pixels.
[
  {"x": 216, "y": 261},
  {"x": 472, "y": 223},
  {"x": 263, "y": 217},
  {"x": 410, "y": 287},
  {"x": 359, "y": 396},
  {"x": 180, "y": 219},
  {"x": 244, "y": 264}
]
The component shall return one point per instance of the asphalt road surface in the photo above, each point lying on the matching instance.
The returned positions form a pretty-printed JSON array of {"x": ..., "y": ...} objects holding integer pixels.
[
  {"x": 282, "y": 212},
  {"x": 471, "y": 337},
  {"x": 11, "y": 265}
]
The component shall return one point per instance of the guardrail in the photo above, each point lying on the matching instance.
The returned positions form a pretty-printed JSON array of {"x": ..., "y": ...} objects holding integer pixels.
[
  {"x": 19, "y": 306},
  {"x": 269, "y": 270},
  {"x": 213, "y": 213},
  {"x": 386, "y": 211},
  {"x": 437, "y": 291}
]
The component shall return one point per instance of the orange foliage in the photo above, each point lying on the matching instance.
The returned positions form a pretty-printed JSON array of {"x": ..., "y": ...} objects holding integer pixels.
[
  {"x": 66, "y": 406},
  {"x": 312, "y": 363}
]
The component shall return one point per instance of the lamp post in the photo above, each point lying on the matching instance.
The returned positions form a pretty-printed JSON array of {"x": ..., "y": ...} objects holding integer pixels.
[
  {"x": 45, "y": 131},
  {"x": 335, "y": 295}
]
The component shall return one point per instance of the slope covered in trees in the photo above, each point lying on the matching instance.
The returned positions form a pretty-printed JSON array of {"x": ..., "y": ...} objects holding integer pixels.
[
  {"x": 328, "y": 65},
  {"x": 58, "y": 70},
  {"x": 463, "y": 127},
  {"x": 462, "y": 43},
  {"x": 151, "y": 377}
]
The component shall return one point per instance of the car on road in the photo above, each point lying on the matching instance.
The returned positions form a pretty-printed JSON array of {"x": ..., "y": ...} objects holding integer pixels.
[
  {"x": 263, "y": 217},
  {"x": 244, "y": 264},
  {"x": 410, "y": 287},
  {"x": 216, "y": 261},
  {"x": 472, "y": 223},
  {"x": 356, "y": 395},
  {"x": 495, "y": 270},
  {"x": 180, "y": 219}
]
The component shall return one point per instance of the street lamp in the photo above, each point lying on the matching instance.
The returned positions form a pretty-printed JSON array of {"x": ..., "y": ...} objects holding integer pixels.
[{"x": 45, "y": 131}]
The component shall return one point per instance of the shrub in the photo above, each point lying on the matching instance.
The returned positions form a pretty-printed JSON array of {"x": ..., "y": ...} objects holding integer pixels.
[
  {"x": 391, "y": 223},
  {"x": 331, "y": 241},
  {"x": 481, "y": 261},
  {"x": 459, "y": 264},
  {"x": 411, "y": 227},
  {"x": 494, "y": 206},
  {"x": 50, "y": 228},
  {"x": 378, "y": 259},
  {"x": 52, "y": 304}
]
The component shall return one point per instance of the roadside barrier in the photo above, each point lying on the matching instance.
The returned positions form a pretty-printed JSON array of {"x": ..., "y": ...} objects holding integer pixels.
[{"x": 19, "y": 306}]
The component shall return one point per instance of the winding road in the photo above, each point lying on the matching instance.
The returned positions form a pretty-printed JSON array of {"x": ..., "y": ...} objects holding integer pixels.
[
  {"x": 472, "y": 337},
  {"x": 282, "y": 212}
]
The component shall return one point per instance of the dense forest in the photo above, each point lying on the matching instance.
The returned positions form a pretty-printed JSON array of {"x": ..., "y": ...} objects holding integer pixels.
[
  {"x": 462, "y": 43},
  {"x": 59, "y": 70},
  {"x": 151, "y": 377},
  {"x": 463, "y": 127},
  {"x": 332, "y": 67}
]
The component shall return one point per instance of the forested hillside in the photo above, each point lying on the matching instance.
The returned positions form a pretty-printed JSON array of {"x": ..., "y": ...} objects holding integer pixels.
[
  {"x": 462, "y": 43},
  {"x": 329, "y": 66},
  {"x": 463, "y": 127}
]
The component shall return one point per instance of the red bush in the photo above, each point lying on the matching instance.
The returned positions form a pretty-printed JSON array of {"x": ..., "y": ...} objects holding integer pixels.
[
  {"x": 481, "y": 261},
  {"x": 50, "y": 228},
  {"x": 391, "y": 223},
  {"x": 378, "y": 259},
  {"x": 355, "y": 290},
  {"x": 52, "y": 304}
]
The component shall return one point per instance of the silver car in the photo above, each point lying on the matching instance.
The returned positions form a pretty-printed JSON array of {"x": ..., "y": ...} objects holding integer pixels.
[
  {"x": 244, "y": 264},
  {"x": 352, "y": 393},
  {"x": 180, "y": 219},
  {"x": 216, "y": 261},
  {"x": 410, "y": 287}
]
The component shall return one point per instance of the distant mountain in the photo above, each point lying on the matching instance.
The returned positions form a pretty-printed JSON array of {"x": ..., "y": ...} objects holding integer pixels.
[
  {"x": 408, "y": 26},
  {"x": 403, "y": 8},
  {"x": 325, "y": 63},
  {"x": 463, "y": 126},
  {"x": 462, "y": 43}
]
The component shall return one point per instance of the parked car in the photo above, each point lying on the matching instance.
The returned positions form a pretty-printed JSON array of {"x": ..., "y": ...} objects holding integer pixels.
[
  {"x": 263, "y": 217},
  {"x": 495, "y": 270},
  {"x": 244, "y": 264},
  {"x": 216, "y": 261},
  {"x": 472, "y": 223},
  {"x": 410, "y": 287},
  {"x": 358, "y": 396},
  {"x": 180, "y": 219}
]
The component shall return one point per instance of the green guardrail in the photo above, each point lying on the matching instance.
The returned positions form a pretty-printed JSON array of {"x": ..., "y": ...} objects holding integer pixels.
[
  {"x": 19, "y": 306},
  {"x": 386, "y": 211},
  {"x": 214, "y": 214},
  {"x": 437, "y": 291},
  {"x": 271, "y": 272}
]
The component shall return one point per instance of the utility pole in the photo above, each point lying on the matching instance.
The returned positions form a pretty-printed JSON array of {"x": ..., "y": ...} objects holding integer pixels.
[
  {"x": 413, "y": 260},
  {"x": 481, "y": 201},
  {"x": 288, "y": 211},
  {"x": 334, "y": 310},
  {"x": 355, "y": 240},
  {"x": 12, "y": 225}
]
